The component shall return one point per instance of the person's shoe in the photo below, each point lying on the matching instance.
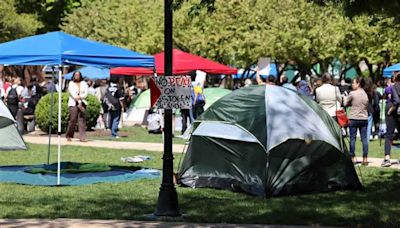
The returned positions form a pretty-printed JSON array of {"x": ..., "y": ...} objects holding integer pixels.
[
  {"x": 69, "y": 139},
  {"x": 83, "y": 140},
  {"x": 365, "y": 161},
  {"x": 115, "y": 137},
  {"x": 386, "y": 163}
]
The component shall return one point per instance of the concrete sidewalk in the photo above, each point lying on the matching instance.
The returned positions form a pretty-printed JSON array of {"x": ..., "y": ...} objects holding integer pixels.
[
  {"x": 177, "y": 148},
  {"x": 75, "y": 223}
]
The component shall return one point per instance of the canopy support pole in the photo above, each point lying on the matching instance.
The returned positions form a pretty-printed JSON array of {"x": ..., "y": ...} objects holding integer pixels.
[
  {"x": 59, "y": 125},
  {"x": 51, "y": 112}
]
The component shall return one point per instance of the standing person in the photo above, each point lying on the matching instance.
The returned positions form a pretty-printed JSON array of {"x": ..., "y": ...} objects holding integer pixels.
[
  {"x": 100, "y": 93},
  {"x": 391, "y": 94},
  {"x": 373, "y": 104},
  {"x": 78, "y": 91},
  {"x": 13, "y": 96},
  {"x": 198, "y": 99},
  {"x": 305, "y": 88},
  {"x": 185, "y": 113},
  {"x": 358, "y": 116},
  {"x": 115, "y": 102},
  {"x": 328, "y": 96}
]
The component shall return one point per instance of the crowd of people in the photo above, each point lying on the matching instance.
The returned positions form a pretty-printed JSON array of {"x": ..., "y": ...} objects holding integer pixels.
[
  {"x": 359, "y": 96},
  {"x": 21, "y": 100}
]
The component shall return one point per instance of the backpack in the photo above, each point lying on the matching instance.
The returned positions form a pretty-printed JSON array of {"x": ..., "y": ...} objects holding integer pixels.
[
  {"x": 198, "y": 95},
  {"x": 109, "y": 101},
  {"x": 12, "y": 97}
]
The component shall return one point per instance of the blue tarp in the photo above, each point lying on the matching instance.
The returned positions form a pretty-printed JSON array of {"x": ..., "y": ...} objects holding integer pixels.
[
  {"x": 387, "y": 72},
  {"x": 59, "y": 48},
  {"x": 18, "y": 174},
  {"x": 92, "y": 73}
]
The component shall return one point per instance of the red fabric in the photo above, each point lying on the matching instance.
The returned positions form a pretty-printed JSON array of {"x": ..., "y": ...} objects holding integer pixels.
[{"x": 183, "y": 63}]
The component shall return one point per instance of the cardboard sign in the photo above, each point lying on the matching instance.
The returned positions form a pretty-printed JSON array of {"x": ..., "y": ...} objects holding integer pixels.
[{"x": 171, "y": 92}]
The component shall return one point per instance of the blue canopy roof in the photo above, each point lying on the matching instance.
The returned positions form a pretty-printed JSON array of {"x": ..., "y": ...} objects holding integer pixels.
[
  {"x": 387, "y": 72},
  {"x": 92, "y": 73},
  {"x": 59, "y": 48}
]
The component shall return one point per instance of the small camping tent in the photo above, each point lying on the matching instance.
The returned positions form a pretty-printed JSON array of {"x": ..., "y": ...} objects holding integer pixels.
[
  {"x": 10, "y": 139},
  {"x": 267, "y": 141}
]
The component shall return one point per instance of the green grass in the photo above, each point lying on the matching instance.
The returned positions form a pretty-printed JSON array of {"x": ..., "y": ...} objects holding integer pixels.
[
  {"x": 139, "y": 134},
  {"x": 375, "y": 149},
  {"x": 377, "y": 205}
]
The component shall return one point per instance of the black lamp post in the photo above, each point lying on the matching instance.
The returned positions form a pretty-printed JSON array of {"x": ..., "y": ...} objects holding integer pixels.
[{"x": 167, "y": 204}]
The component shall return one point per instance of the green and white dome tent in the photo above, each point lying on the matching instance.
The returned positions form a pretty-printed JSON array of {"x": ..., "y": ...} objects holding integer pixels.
[
  {"x": 10, "y": 138},
  {"x": 267, "y": 141}
]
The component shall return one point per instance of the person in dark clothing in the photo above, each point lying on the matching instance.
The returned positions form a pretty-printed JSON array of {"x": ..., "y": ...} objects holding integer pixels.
[
  {"x": 392, "y": 102},
  {"x": 185, "y": 113},
  {"x": 115, "y": 97},
  {"x": 373, "y": 104}
]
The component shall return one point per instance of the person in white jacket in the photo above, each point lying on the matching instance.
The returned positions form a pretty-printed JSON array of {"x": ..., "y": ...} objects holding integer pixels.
[
  {"x": 328, "y": 96},
  {"x": 78, "y": 91}
]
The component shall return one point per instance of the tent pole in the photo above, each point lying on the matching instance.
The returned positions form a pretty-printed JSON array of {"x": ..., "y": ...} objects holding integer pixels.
[
  {"x": 59, "y": 126},
  {"x": 51, "y": 114}
]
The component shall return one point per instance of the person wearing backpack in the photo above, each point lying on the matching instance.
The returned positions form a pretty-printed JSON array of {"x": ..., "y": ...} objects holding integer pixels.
[
  {"x": 13, "y": 96},
  {"x": 78, "y": 91},
  {"x": 198, "y": 100},
  {"x": 113, "y": 99}
]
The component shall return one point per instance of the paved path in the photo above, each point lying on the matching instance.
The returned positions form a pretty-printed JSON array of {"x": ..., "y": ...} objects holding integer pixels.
[
  {"x": 177, "y": 148},
  {"x": 75, "y": 223}
]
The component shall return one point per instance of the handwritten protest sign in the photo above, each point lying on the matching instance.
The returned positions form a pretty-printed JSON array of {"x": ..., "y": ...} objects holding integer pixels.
[{"x": 170, "y": 92}]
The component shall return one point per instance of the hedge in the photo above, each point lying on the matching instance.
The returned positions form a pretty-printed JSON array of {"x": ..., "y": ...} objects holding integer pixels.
[{"x": 42, "y": 112}]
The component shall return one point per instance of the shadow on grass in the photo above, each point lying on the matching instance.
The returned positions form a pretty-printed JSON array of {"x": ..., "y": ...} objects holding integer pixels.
[{"x": 376, "y": 205}]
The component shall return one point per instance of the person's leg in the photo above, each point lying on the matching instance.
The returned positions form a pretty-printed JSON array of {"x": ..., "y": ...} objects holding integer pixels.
[
  {"x": 13, "y": 109},
  {"x": 390, "y": 126},
  {"x": 185, "y": 115},
  {"x": 82, "y": 125},
  {"x": 353, "y": 134},
  {"x": 114, "y": 115},
  {"x": 364, "y": 139},
  {"x": 73, "y": 117},
  {"x": 369, "y": 127}
]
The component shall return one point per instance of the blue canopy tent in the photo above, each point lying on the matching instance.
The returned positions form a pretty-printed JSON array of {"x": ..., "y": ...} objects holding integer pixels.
[
  {"x": 388, "y": 71},
  {"x": 92, "y": 73},
  {"x": 58, "y": 49},
  {"x": 240, "y": 75}
]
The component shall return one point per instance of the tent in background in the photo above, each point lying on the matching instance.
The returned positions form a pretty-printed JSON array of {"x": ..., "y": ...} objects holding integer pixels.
[
  {"x": 137, "y": 109},
  {"x": 183, "y": 63},
  {"x": 388, "y": 71},
  {"x": 58, "y": 49},
  {"x": 92, "y": 73},
  {"x": 10, "y": 138},
  {"x": 267, "y": 141}
]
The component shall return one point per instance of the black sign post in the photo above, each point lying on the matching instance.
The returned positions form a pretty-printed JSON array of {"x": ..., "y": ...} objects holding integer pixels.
[{"x": 167, "y": 204}]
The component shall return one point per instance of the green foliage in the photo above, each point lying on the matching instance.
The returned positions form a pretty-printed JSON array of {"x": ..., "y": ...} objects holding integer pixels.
[
  {"x": 42, "y": 112},
  {"x": 14, "y": 25},
  {"x": 238, "y": 32},
  {"x": 133, "y": 24},
  {"x": 50, "y": 12}
]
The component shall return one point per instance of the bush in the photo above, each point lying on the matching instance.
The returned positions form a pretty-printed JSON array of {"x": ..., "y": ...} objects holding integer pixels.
[{"x": 42, "y": 112}]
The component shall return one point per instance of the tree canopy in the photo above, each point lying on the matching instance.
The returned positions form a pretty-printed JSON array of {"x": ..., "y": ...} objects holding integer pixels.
[
  {"x": 238, "y": 32},
  {"x": 15, "y": 25}
]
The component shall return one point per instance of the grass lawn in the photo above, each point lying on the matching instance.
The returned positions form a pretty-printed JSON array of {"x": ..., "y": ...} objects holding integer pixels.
[
  {"x": 139, "y": 134},
  {"x": 377, "y": 205}
]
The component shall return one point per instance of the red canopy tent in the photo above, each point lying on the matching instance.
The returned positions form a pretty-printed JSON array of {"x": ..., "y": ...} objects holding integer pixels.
[{"x": 183, "y": 63}]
